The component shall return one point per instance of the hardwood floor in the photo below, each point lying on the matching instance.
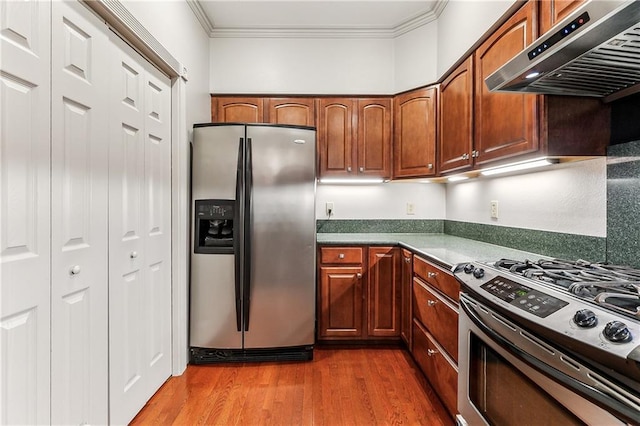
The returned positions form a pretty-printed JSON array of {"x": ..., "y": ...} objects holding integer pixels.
[{"x": 363, "y": 386}]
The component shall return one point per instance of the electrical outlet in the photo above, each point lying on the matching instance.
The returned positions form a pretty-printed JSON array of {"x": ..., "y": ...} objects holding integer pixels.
[
  {"x": 329, "y": 208},
  {"x": 494, "y": 209},
  {"x": 411, "y": 208}
]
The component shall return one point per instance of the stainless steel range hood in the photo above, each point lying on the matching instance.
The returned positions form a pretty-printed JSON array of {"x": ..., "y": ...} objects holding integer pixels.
[{"x": 595, "y": 51}]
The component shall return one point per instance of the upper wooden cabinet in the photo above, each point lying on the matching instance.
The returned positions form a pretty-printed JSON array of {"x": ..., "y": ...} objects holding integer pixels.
[
  {"x": 237, "y": 110},
  {"x": 293, "y": 111},
  {"x": 455, "y": 136},
  {"x": 552, "y": 11},
  {"x": 354, "y": 137},
  {"x": 505, "y": 123},
  {"x": 414, "y": 144}
]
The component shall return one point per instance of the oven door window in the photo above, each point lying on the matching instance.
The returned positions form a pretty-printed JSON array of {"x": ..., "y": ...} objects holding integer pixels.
[{"x": 504, "y": 396}]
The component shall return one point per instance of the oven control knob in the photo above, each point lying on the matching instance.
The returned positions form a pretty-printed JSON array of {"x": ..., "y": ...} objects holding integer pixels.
[
  {"x": 617, "y": 331},
  {"x": 468, "y": 268},
  {"x": 585, "y": 318},
  {"x": 478, "y": 272}
]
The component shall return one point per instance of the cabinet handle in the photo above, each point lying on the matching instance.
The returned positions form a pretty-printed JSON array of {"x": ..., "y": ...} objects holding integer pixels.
[
  {"x": 361, "y": 169},
  {"x": 475, "y": 154},
  {"x": 75, "y": 270},
  {"x": 431, "y": 302},
  {"x": 349, "y": 169},
  {"x": 430, "y": 166},
  {"x": 432, "y": 274},
  {"x": 341, "y": 256},
  {"x": 431, "y": 352},
  {"x": 407, "y": 259},
  {"x": 133, "y": 254},
  {"x": 465, "y": 156},
  {"x": 359, "y": 275}
]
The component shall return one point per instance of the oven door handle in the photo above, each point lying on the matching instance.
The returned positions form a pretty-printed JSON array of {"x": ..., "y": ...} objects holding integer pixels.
[{"x": 612, "y": 399}]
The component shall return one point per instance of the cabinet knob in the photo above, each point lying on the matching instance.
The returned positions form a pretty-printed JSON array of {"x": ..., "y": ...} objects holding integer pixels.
[
  {"x": 359, "y": 275},
  {"x": 430, "y": 166},
  {"x": 361, "y": 169},
  {"x": 133, "y": 254},
  {"x": 407, "y": 259},
  {"x": 465, "y": 156},
  {"x": 431, "y": 352},
  {"x": 349, "y": 169},
  {"x": 341, "y": 256},
  {"x": 432, "y": 274},
  {"x": 75, "y": 270},
  {"x": 475, "y": 154},
  {"x": 431, "y": 302}
]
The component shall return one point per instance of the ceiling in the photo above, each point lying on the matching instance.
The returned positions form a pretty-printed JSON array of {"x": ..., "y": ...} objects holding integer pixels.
[{"x": 389, "y": 18}]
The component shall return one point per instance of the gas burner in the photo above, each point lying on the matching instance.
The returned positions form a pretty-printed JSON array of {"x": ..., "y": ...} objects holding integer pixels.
[{"x": 611, "y": 286}]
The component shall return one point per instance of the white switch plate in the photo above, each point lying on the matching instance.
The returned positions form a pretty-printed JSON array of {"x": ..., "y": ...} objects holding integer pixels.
[
  {"x": 494, "y": 209},
  {"x": 411, "y": 208},
  {"x": 329, "y": 208}
]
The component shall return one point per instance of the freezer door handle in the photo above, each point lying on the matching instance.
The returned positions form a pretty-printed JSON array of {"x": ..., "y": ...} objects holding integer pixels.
[
  {"x": 247, "y": 235},
  {"x": 237, "y": 236}
]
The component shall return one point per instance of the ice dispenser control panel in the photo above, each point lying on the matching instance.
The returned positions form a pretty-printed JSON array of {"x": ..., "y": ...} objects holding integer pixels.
[{"x": 214, "y": 221}]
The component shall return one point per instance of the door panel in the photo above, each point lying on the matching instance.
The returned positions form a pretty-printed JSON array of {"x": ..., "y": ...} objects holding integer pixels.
[
  {"x": 79, "y": 217},
  {"x": 282, "y": 286},
  {"x": 139, "y": 245},
  {"x": 25, "y": 37}
]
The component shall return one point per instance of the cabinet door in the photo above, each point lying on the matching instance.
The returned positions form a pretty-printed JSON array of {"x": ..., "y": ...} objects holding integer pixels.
[
  {"x": 25, "y": 197},
  {"x": 383, "y": 292},
  {"x": 552, "y": 11},
  {"x": 294, "y": 111},
  {"x": 406, "y": 297},
  {"x": 374, "y": 137},
  {"x": 340, "y": 302},
  {"x": 336, "y": 136},
  {"x": 455, "y": 138},
  {"x": 414, "y": 142},
  {"x": 505, "y": 123},
  {"x": 237, "y": 110}
]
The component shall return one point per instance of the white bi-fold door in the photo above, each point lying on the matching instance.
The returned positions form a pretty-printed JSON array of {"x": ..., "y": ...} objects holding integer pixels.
[
  {"x": 84, "y": 219},
  {"x": 25, "y": 93},
  {"x": 79, "y": 150},
  {"x": 139, "y": 232}
]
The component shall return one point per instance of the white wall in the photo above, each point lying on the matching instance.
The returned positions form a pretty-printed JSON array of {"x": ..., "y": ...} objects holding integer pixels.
[
  {"x": 301, "y": 66},
  {"x": 461, "y": 24},
  {"x": 415, "y": 58},
  {"x": 569, "y": 198},
  {"x": 175, "y": 26},
  {"x": 382, "y": 201}
]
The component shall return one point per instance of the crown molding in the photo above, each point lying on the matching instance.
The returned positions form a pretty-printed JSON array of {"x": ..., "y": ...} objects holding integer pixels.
[
  {"x": 326, "y": 32},
  {"x": 201, "y": 15}
]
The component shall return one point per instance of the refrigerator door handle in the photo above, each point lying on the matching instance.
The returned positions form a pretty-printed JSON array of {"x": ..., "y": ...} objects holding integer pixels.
[
  {"x": 238, "y": 234},
  {"x": 247, "y": 235}
]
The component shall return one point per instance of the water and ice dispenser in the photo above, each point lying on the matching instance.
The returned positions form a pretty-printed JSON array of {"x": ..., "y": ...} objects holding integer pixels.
[{"x": 214, "y": 226}]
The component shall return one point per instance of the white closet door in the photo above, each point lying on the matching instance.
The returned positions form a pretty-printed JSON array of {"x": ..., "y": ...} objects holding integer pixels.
[
  {"x": 139, "y": 244},
  {"x": 25, "y": 34},
  {"x": 79, "y": 149}
]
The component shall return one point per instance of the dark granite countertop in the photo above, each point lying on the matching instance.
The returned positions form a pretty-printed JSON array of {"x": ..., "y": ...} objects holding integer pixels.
[{"x": 443, "y": 249}]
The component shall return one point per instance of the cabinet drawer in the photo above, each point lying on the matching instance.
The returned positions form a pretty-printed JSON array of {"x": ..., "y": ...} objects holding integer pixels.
[
  {"x": 437, "y": 315},
  {"x": 439, "y": 370},
  {"x": 342, "y": 255},
  {"x": 437, "y": 277}
]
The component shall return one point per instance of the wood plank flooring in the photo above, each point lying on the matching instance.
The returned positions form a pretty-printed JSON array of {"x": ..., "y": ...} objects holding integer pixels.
[{"x": 361, "y": 386}]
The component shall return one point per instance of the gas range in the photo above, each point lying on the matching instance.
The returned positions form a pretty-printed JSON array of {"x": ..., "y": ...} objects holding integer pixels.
[{"x": 590, "y": 309}]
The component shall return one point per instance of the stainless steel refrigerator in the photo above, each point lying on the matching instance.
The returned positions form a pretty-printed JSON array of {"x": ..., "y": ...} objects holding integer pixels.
[{"x": 252, "y": 290}]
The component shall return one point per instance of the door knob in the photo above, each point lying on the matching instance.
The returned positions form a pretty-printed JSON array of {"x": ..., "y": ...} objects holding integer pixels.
[{"x": 75, "y": 270}]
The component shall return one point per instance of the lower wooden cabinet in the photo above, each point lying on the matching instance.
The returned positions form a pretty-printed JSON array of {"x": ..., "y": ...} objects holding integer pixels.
[
  {"x": 359, "y": 293},
  {"x": 439, "y": 369},
  {"x": 405, "y": 296}
]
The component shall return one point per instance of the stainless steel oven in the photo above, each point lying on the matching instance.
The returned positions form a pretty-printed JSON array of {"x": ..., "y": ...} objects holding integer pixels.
[{"x": 524, "y": 358}]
